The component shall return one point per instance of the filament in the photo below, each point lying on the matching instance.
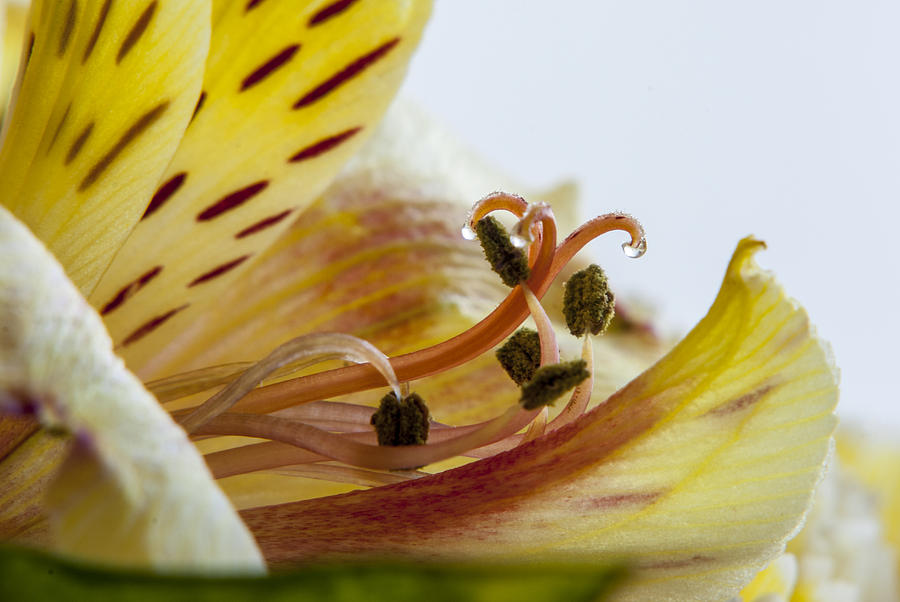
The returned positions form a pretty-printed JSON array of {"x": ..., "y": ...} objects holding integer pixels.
[
  {"x": 305, "y": 350},
  {"x": 345, "y": 449},
  {"x": 581, "y": 396}
]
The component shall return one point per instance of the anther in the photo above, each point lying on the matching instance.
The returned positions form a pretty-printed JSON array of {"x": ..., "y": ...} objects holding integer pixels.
[
  {"x": 403, "y": 422},
  {"x": 550, "y": 382},
  {"x": 588, "y": 304},
  {"x": 506, "y": 260},
  {"x": 520, "y": 355}
]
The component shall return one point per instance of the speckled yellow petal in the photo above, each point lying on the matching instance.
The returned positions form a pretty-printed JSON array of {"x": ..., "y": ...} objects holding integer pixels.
[
  {"x": 12, "y": 33},
  {"x": 698, "y": 470},
  {"x": 291, "y": 90},
  {"x": 133, "y": 490},
  {"x": 108, "y": 89}
]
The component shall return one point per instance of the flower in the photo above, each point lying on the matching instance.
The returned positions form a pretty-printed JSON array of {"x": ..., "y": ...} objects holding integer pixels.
[{"x": 182, "y": 202}]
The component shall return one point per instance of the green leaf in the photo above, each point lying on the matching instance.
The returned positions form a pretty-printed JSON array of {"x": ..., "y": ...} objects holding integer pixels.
[{"x": 27, "y": 575}]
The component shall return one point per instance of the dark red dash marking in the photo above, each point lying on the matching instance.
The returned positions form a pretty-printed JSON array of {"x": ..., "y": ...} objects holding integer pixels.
[
  {"x": 68, "y": 28},
  {"x": 144, "y": 122},
  {"x": 323, "y": 146},
  {"x": 263, "y": 224},
  {"x": 30, "y": 49},
  {"x": 95, "y": 35},
  {"x": 199, "y": 105},
  {"x": 164, "y": 192},
  {"x": 742, "y": 402},
  {"x": 232, "y": 200},
  {"x": 346, "y": 73},
  {"x": 152, "y": 325},
  {"x": 218, "y": 271},
  {"x": 332, "y": 10},
  {"x": 251, "y": 5},
  {"x": 129, "y": 290},
  {"x": 59, "y": 128},
  {"x": 139, "y": 28},
  {"x": 79, "y": 143},
  {"x": 269, "y": 66}
]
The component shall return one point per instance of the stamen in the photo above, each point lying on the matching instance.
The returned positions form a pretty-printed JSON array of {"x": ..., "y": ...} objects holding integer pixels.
[
  {"x": 338, "y": 473},
  {"x": 431, "y": 360},
  {"x": 345, "y": 449},
  {"x": 581, "y": 396},
  {"x": 588, "y": 304},
  {"x": 307, "y": 350},
  {"x": 401, "y": 421},
  {"x": 537, "y": 427},
  {"x": 506, "y": 260},
  {"x": 548, "y": 262},
  {"x": 549, "y": 347},
  {"x": 520, "y": 356},
  {"x": 195, "y": 381},
  {"x": 551, "y": 381}
]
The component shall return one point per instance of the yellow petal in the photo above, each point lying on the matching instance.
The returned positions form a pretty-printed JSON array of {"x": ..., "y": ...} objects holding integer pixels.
[
  {"x": 777, "y": 579},
  {"x": 108, "y": 89},
  {"x": 12, "y": 32},
  {"x": 699, "y": 470},
  {"x": 291, "y": 90},
  {"x": 133, "y": 490}
]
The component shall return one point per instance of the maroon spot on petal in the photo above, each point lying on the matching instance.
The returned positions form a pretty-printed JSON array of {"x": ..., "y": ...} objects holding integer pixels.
[
  {"x": 199, "y": 105},
  {"x": 323, "y": 146},
  {"x": 678, "y": 563},
  {"x": 332, "y": 10},
  {"x": 263, "y": 224},
  {"x": 742, "y": 402},
  {"x": 151, "y": 325},
  {"x": 68, "y": 28},
  {"x": 218, "y": 271},
  {"x": 95, "y": 35},
  {"x": 622, "y": 499},
  {"x": 270, "y": 66},
  {"x": 164, "y": 193},
  {"x": 251, "y": 5},
  {"x": 144, "y": 122},
  {"x": 30, "y": 49},
  {"x": 127, "y": 291},
  {"x": 79, "y": 143},
  {"x": 232, "y": 200},
  {"x": 59, "y": 127},
  {"x": 137, "y": 30},
  {"x": 347, "y": 73}
]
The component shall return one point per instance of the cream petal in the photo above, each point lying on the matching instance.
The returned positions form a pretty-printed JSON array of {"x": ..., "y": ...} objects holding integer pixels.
[{"x": 132, "y": 490}]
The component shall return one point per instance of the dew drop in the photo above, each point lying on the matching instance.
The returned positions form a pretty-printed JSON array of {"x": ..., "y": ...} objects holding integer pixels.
[
  {"x": 635, "y": 251},
  {"x": 467, "y": 232}
]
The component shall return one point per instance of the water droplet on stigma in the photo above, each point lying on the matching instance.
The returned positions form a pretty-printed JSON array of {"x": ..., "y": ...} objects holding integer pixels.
[{"x": 635, "y": 251}]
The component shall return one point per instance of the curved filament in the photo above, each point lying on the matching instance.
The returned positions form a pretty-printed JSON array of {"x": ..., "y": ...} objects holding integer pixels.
[
  {"x": 305, "y": 350},
  {"x": 364, "y": 455}
]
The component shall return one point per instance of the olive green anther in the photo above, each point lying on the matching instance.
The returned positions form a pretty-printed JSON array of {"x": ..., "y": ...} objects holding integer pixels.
[
  {"x": 505, "y": 259},
  {"x": 551, "y": 382},
  {"x": 520, "y": 355},
  {"x": 588, "y": 304},
  {"x": 401, "y": 422}
]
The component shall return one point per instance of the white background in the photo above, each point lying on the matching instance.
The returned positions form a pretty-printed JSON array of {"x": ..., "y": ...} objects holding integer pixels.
[{"x": 709, "y": 120}]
